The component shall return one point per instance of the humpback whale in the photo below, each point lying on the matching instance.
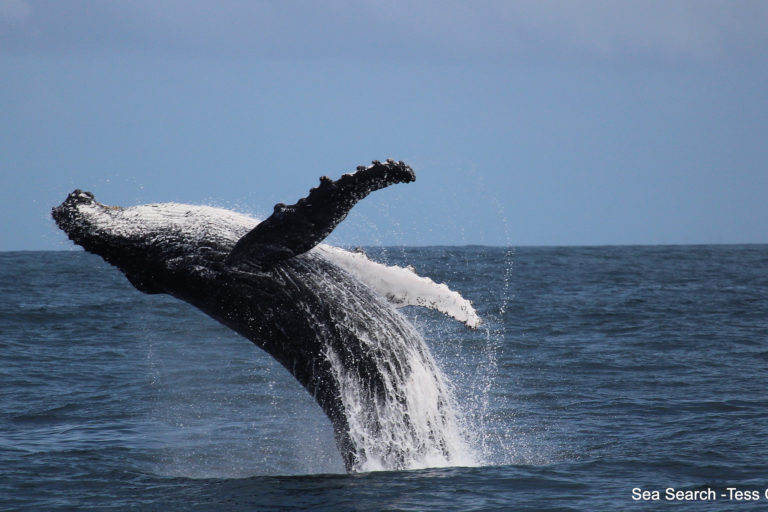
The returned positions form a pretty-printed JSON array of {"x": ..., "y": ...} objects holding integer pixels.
[{"x": 328, "y": 315}]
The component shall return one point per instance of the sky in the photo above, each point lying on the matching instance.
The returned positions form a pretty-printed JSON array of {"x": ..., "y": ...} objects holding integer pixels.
[{"x": 586, "y": 122}]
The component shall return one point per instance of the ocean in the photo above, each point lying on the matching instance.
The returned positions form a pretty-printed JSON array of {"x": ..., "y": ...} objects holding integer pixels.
[{"x": 601, "y": 378}]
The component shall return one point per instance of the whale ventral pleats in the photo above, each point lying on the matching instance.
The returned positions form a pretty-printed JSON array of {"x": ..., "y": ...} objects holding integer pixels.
[{"x": 294, "y": 229}]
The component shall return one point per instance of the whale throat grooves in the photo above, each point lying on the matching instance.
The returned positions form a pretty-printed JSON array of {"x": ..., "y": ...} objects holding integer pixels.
[{"x": 327, "y": 315}]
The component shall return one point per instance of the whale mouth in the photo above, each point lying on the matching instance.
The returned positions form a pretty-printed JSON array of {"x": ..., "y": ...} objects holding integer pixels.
[
  {"x": 66, "y": 215},
  {"x": 71, "y": 218},
  {"x": 80, "y": 217}
]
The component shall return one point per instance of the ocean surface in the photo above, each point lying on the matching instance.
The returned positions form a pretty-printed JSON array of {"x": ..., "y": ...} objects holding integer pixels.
[{"x": 598, "y": 373}]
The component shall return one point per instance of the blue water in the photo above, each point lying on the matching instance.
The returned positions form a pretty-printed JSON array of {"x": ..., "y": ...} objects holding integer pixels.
[{"x": 597, "y": 370}]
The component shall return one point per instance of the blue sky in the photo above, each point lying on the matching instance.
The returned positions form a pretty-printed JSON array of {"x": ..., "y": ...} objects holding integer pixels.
[{"x": 527, "y": 122}]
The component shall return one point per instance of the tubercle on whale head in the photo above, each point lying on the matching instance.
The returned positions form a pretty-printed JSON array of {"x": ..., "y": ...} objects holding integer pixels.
[{"x": 63, "y": 212}]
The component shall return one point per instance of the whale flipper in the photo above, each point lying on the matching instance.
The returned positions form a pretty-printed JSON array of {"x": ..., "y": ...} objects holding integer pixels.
[
  {"x": 294, "y": 229},
  {"x": 402, "y": 286}
]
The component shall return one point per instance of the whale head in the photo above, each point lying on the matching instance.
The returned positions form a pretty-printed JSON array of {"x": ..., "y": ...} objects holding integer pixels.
[{"x": 151, "y": 243}]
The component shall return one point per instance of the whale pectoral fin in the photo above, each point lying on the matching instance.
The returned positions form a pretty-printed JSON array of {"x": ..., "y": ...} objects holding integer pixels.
[
  {"x": 294, "y": 229},
  {"x": 403, "y": 286}
]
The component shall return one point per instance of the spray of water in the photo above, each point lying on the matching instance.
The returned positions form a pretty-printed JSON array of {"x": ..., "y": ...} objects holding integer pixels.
[
  {"x": 413, "y": 424},
  {"x": 399, "y": 408},
  {"x": 494, "y": 435}
]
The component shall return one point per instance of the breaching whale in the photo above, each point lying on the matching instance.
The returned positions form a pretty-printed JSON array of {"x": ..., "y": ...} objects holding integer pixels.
[{"x": 326, "y": 314}]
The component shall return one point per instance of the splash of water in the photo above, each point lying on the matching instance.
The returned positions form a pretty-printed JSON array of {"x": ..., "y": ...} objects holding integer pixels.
[
  {"x": 414, "y": 424},
  {"x": 398, "y": 406}
]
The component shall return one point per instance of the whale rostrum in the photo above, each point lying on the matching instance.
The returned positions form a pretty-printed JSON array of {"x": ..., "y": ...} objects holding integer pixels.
[{"x": 326, "y": 314}]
